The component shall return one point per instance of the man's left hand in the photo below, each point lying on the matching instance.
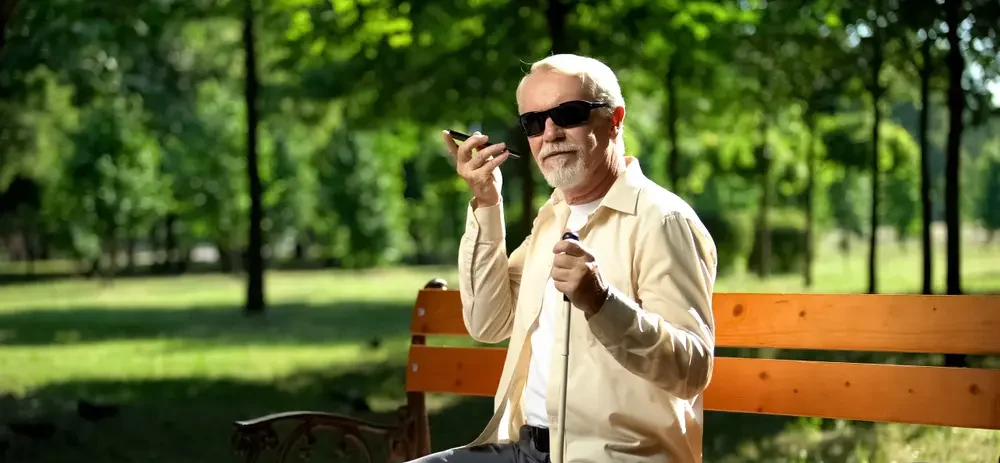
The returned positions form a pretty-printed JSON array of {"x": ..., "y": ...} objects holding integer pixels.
[{"x": 575, "y": 274}]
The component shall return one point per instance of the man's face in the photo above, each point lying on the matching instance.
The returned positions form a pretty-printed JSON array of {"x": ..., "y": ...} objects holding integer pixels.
[{"x": 565, "y": 155}]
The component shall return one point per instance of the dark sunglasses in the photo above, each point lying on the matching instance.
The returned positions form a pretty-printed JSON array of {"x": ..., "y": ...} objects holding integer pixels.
[{"x": 565, "y": 115}]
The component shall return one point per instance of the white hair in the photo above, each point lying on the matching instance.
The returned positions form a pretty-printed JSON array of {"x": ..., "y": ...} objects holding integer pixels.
[{"x": 598, "y": 81}]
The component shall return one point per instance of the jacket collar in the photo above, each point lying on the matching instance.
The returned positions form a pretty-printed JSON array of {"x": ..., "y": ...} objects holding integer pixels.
[{"x": 624, "y": 193}]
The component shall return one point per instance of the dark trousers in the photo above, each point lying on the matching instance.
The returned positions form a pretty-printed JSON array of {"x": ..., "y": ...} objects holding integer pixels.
[{"x": 533, "y": 447}]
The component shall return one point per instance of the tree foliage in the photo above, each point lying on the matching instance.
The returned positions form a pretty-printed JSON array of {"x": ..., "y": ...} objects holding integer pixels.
[{"x": 130, "y": 119}]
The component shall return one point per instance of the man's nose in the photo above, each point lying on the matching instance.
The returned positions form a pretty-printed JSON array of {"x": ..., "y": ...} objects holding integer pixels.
[{"x": 552, "y": 131}]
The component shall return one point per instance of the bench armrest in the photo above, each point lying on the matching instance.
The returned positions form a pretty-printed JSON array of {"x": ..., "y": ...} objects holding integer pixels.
[{"x": 251, "y": 438}]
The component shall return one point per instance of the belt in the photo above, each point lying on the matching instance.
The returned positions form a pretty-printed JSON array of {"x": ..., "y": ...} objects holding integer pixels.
[{"x": 538, "y": 437}]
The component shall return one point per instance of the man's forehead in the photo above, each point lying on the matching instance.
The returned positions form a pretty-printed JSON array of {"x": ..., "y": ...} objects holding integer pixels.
[{"x": 545, "y": 89}]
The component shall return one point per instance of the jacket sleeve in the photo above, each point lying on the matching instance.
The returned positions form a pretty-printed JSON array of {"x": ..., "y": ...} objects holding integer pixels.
[
  {"x": 489, "y": 280},
  {"x": 667, "y": 336}
]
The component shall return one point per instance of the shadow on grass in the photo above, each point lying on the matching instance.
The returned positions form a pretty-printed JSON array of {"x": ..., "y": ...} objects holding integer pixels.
[
  {"x": 191, "y": 419},
  {"x": 17, "y": 273},
  {"x": 349, "y": 321}
]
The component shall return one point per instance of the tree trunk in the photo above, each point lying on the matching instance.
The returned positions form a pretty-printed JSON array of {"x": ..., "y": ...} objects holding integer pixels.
[
  {"x": 130, "y": 253},
  {"x": 673, "y": 163},
  {"x": 956, "y": 108},
  {"x": 925, "y": 166},
  {"x": 7, "y": 8},
  {"x": 255, "y": 259},
  {"x": 172, "y": 254},
  {"x": 763, "y": 227},
  {"x": 876, "y": 92},
  {"x": 29, "y": 249},
  {"x": 299, "y": 252},
  {"x": 28, "y": 230},
  {"x": 226, "y": 264},
  {"x": 810, "y": 196},
  {"x": 555, "y": 16},
  {"x": 112, "y": 244},
  {"x": 44, "y": 250}
]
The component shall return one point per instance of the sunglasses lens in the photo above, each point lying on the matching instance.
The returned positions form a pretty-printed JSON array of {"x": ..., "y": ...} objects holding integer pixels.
[
  {"x": 533, "y": 123},
  {"x": 570, "y": 114},
  {"x": 567, "y": 114}
]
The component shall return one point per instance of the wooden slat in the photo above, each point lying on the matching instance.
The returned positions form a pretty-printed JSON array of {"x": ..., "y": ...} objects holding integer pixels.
[
  {"x": 458, "y": 370},
  {"x": 962, "y": 397},
  {"x": 438, "y": 312},
  {"x": 860, "y": 322}
]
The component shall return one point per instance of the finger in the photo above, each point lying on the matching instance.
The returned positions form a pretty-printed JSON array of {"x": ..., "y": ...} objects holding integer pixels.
[
  {"x": 465, "y": 149},
  {"x": 570, "y": 247},
  {"x": 450, "y": 144},
  {"x": 567, "y": 288},
  {"x": 562, "y": 275},
  {"x": 566, "y": 261},
  {"x": 496, "y": 161},
  {"x": 482, "y": 156}
]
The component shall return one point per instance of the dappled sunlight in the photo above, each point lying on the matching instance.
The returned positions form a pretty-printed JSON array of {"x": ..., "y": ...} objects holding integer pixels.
[
  {"x": 342, "y": 321},
  {"x": 214, "y": 210},
  {"x": 814, "y": 439},
  {"x": 307, "y": 287},
  {"x": 168, "y": 364},
  {"x": 907, "y": 442},
  {"x": 838, "y": 272},
  {"x": 190, "y": 416},
  {"x": 37, "y": 366},
  {"x": 809, "y": 440}
]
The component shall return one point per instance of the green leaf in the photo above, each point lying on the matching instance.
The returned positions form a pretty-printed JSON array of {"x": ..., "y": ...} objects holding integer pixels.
[{"x": 301, "y": 24}]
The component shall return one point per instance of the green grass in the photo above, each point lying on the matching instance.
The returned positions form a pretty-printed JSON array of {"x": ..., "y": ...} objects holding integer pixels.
[{"x": 182, "y": 362}]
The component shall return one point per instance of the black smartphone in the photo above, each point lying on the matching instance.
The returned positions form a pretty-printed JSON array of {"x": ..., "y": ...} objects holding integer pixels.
[{"x": 462, "y": 137}]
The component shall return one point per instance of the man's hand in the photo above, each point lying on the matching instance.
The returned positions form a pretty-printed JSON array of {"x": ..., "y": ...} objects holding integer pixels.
[
  {"x": 575, "y": 274},
  {"x": 481, "y": 173}
]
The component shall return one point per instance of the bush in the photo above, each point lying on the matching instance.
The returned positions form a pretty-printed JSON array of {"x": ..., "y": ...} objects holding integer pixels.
[
  {"x": 733, "y": 235},
  {"x": 788, "y": 247}
]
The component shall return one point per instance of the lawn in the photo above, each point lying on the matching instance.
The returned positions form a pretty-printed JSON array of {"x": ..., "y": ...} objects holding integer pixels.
[{"x": 181, "y": 363}]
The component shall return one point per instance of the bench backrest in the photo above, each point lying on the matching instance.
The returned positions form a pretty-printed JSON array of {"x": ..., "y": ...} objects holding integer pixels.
[{"x": 934, "y": 395}]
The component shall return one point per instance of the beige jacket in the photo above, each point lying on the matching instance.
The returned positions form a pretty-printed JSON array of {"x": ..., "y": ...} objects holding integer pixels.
[{"x": 638, "y": 368}]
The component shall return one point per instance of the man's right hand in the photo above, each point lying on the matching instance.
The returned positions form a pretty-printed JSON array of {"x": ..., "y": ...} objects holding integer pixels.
[{"x": 481, "y": 173}]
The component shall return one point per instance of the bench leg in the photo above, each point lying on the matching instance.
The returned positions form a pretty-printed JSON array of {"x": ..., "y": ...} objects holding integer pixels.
[{"x": 419, "y": 431}]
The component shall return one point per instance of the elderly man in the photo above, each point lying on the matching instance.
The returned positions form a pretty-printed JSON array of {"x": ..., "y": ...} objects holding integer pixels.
[{"x": 638, "y": 282}]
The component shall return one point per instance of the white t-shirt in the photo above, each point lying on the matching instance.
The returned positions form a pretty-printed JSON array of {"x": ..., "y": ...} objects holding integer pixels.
[{"x": 533, "y": 400}]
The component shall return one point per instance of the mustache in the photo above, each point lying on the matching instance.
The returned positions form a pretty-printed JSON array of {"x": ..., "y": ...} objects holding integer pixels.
[{"x": 557, "y": 148}]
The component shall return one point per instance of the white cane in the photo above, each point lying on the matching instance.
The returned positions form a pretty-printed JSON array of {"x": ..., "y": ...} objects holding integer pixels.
[{"x": 565, "y": 353}]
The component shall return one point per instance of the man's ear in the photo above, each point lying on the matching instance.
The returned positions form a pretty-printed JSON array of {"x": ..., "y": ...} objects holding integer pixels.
[{"x": 617, "y": 116}]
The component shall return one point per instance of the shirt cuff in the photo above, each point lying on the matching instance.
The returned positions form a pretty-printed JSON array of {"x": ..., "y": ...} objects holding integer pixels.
[
  {"x": 486, "y": 223},
  {"x": 617, "y": 315}
]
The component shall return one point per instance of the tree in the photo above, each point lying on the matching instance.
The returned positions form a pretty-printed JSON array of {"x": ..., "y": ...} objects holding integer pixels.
[
  {"x": 815, "y": 79},
  {"x": 922, "y": 21},
  {"x": 7, "y": 8},
  {"x": 956, "y": 108},
  {"x": 875, "y": 57},
  {"x": 255, "y": 259},
  {"x": 982, "y": 53},
  {"x": 988, "y": 167},
  {"x": 109, "y": 186}
]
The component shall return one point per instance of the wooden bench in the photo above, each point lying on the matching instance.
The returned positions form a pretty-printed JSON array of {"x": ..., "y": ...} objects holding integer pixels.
[{"x": 931, "y": 395}]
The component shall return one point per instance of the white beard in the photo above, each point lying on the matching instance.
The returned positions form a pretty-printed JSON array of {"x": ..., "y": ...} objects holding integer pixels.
[
  {"x": 569, "y": 175},
  {"x": 572, "y": 171}
]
